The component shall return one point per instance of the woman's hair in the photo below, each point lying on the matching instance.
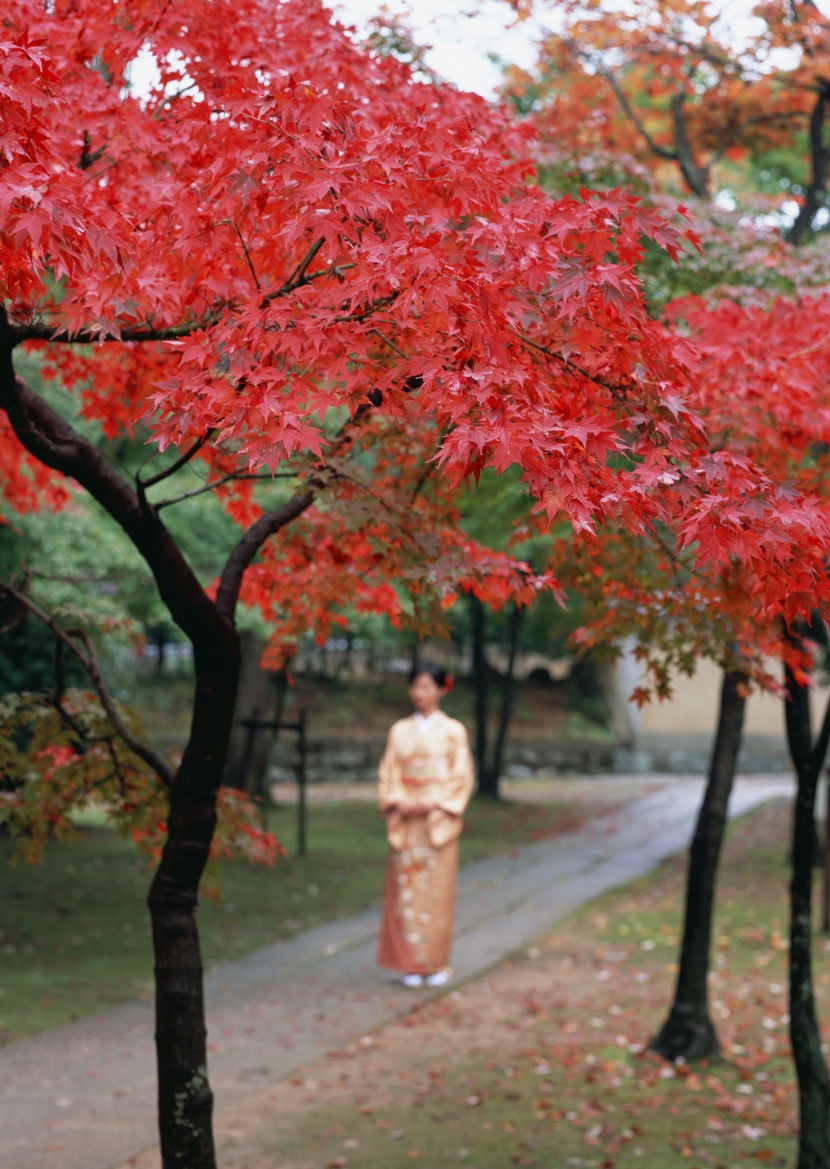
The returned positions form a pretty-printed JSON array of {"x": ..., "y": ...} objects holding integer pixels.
[{"x": 438, "y": 674}]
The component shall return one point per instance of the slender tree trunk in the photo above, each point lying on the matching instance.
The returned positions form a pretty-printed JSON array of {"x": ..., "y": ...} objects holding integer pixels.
[
  {"x": 816, "y": 192},
  {"x": 185, "y": 1099},
  {"x": 486, "y": 784},
  {"x": 507, "y": 694},
  {"x": 811, "y": 1069},
  {"x": 688, "y": 1032}
]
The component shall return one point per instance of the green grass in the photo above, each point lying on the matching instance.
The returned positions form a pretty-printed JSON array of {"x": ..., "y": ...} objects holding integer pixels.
[
  {"x": 75, "y": 935},
  {"x": 541, "y": 1063}
]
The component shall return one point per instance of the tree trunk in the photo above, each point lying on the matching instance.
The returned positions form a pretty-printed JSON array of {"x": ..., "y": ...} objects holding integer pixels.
[
  {"x": 487, "y": 786},
  {"x": 811, "y": 1069},
  {"x": 688, "y": 1032},
  {"x": 185, "y": 1099},
  {"x": 816, "y": 192},
  {"x": 507, "y": 693}
]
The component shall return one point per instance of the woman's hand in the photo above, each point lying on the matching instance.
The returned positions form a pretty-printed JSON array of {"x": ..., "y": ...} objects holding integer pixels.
[{"x": 409, "y": 807}]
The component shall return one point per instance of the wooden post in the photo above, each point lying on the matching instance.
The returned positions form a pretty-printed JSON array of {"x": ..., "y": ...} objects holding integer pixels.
[
  {"x": 825, "y": 903},
  {"x": 301, "y": 785}
]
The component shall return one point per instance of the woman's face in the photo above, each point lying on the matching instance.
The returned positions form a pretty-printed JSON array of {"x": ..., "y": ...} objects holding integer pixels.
[{"x": 425, "y": 693}]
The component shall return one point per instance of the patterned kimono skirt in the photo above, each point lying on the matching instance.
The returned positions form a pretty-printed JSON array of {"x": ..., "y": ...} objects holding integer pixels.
[{"x": 419, "y": 903}]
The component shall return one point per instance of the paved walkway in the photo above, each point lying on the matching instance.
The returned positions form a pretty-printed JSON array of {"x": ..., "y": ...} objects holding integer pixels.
[{"x": 83, "y": 1096}]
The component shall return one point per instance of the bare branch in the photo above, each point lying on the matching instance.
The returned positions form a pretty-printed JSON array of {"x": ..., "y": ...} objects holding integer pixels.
[
  {"x": 391, "y": 344},
  {"x": 298, "y": 276},
  {"x": 631, "y": 113},
  {"x": 248, "y": 257},
  {"x": 182, "y": 460},
  {"x": 54, "y": 442},
  {"x": 92, "y": 665},
  {"x": 43, "y": 331},
  {"x": 234, "y": 477},
  {"x": 89, "y": 156},
  {"x": 170, "y": 98},
  {"x": 240, "y": 558}
]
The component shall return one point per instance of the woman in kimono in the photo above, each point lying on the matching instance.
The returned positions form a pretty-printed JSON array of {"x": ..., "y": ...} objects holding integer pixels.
[{"x": 426, "y": 780}]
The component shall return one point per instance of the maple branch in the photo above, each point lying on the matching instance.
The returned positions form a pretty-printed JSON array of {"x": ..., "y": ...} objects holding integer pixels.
[
  {"x": 146, "y": 332},
  {"x": 248, "y": 258},
  {"x": 233, "y": 476},
  {"x": 89, "y": 157},
  {"x": 170, "y": 98},
  {"x": 672, "y": 555},
  {"x": 371, "y": 308},
  {"x": 273, "y": 521},
  {"x": 740, "y": 127},
  {"x": 422, "y": 478},
  {"x": 57, "y": 696},
  {"x": 567, "y": 364},
  {"x": 298, "y": 276},
  {"x": 55, "y": 443},
  {"x": 631, "y": 113},
  {"x": 391, "y": 344},
  {"x": 42, "y": 331},
  {"x": 92, "y": 665},
  {"x": 240, "y": 558},
  {"x": 180, "y": 462}
]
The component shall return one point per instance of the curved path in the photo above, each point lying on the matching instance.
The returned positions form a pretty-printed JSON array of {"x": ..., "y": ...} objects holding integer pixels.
[{"x": 83, "y": 1096}]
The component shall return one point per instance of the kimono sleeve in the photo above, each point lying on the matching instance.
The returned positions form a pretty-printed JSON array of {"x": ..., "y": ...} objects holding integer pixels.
[
  {"x": 462, "y": 775},
  {"x": 390, "y": 786}
]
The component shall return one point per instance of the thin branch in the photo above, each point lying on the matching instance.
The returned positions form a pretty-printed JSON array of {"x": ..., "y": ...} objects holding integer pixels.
[
  {"x": 422, "y": 478},
  {"x": 298, "y": 276},
  {"x": 240, "y": 558},
  {"x": 42, "y": 331},
  {"x": 630, "y": 112},
  {"x": 168, "y": 101},
  {"x": 356, "y": 318},
  {"x": 89, "y": 156},
  {"x": 58, "y": 692},
  {"x": 92, "y": 665},
  {"x": 391, "y": 344},
  {"x": 300, "y": 273},
  {"x": 568, "y": 365},
  {"x": 233, "y": 477},
  {"x": 248, "y": 257},
  {"x": 180, "y": 462}
]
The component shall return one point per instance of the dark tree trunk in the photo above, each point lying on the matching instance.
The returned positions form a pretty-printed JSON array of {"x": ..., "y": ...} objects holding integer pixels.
[
  {"x": 811, "y": 1069},
  {"x": 698, "y": 177},
  {"x": 688, "y": 1032},
  {"x": 507, "y": 693},
  {"x": 185, "y": 1100},
  {"x": 487, "y": 785},
  {"x": 816, "y": 192}
]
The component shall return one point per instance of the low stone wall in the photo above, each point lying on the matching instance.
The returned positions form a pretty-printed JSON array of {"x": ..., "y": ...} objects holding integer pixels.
[
  {"x": 338, "y": 759},
  {"x": 335, "y": 760}
]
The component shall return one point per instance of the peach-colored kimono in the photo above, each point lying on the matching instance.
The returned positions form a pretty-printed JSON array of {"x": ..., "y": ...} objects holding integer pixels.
[{"x": 429, "y": 760}]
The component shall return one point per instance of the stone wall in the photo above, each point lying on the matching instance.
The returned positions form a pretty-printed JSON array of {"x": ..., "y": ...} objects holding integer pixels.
[{"x": 335, "y": 759}]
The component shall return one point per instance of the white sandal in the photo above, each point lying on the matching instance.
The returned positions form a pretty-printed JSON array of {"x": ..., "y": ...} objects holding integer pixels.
[
  {"x": 412, "y": 981},
  {"x": 440, "y": 977}
]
